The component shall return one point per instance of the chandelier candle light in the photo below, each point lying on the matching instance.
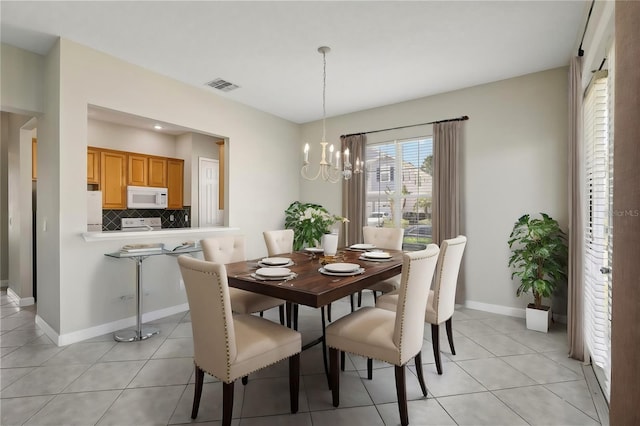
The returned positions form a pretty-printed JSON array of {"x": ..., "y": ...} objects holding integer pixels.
[{"x": 329, "y": 170}]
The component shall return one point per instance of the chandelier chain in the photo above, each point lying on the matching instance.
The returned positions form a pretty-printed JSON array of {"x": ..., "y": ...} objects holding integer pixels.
[{"x": 324, "y": 91}]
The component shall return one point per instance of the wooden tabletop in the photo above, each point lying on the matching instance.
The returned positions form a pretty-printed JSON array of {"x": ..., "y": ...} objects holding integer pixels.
[{"x": 310, "y": 287}]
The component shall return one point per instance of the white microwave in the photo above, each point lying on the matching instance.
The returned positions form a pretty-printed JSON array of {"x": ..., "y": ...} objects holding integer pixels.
[{"x": 146, "y": 197}]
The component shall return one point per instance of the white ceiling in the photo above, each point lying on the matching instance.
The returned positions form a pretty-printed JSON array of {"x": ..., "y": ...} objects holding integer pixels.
[{"x": 383, "y": 52}]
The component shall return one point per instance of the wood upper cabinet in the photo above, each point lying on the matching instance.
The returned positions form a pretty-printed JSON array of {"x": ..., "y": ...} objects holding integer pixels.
[
  {"x": 175, "y": 182},
  {"x": 138, "y": 169},
  {"x": 158, "y": 172},
  {"x": 34, "y": 159},
  {"x": 113, "y": 179},
  {"x": 93, "y": 166}
]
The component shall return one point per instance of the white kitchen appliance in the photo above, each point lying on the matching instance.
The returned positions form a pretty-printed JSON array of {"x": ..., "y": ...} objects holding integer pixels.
[
  {"x": 94, "y": 211},
  {"x": 130, "y": 224},
  {"x": 146, "y": 197}
]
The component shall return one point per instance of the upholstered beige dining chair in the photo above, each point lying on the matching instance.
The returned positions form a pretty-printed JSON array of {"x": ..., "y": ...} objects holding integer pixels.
[
  {"x": 393, "y": 337},
  {"x": 441, "y": 302},
  {"x": 228, "y": 345},
  {"x": 279, "y": 241},
  {"x": 228, "y": 249},
  {"x": 386, "y": 239}
]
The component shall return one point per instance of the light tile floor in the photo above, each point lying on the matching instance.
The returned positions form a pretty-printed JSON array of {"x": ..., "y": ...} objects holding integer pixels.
[{"x": 502, "y": 374}]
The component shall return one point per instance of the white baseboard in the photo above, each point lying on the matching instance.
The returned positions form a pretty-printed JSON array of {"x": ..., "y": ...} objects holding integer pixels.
[
  {"x": 20, "y": 301},
  {"x": 507, "y": 310},
  {"x": 99, "y": 330}
]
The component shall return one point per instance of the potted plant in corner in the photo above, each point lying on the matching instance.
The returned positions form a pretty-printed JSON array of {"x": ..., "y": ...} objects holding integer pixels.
[{"x": 539, "y": 261}]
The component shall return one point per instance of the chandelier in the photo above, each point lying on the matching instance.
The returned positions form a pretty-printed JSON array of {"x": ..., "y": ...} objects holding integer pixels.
[{"x": 329, "y": 169}]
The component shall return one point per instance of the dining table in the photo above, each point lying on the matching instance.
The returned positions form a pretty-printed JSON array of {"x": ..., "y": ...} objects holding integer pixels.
[{"x": 309, "y": 286}]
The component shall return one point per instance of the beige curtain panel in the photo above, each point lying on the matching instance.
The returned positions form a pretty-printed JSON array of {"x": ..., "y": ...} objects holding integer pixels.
[
  {"x": 446, "y": 180},
  {"x": 575, "y": 290},
  {"x": 354, "y": 197}
]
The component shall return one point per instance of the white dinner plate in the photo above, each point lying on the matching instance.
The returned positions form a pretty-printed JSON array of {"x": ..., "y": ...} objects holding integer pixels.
[
  {"x": 273, "y": 272},
  {"x": 377, "y": 255},
  {"x": 362, "y": 246},
  {"x": 275, "y": 261},
  {"x": 266, "y": 265},
  {"x": 371, "y": 259},
  {"x": 314, "y": 249},
  {"x": 341, "y": 267},
  {"x": 287, "y": 277},
  {"x": 341, "y": 274}
]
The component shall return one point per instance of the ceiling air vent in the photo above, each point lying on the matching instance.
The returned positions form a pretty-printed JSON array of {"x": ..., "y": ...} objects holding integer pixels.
[{"x": 223, "y": 85}]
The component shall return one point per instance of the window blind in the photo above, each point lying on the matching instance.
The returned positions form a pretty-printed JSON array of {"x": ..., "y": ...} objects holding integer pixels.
[{"x": 597, "y": 222}]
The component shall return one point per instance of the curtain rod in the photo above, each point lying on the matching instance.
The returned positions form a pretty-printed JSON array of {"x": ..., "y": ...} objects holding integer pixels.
[
  {"x": 463, "y": 118},
  {"x": 586, "y": 24}
]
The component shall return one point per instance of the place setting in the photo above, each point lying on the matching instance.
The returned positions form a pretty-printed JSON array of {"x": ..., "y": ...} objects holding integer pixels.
[
  {"x": 376, "y": 256},
  {"x": 341, "y": 269},
  {"x": 275, "y": 262},
  {"x": 274, "y": 274},
  {"x": 361, "y": 247}
]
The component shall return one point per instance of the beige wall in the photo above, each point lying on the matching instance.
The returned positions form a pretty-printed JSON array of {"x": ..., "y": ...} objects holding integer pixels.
[
  {"x": 124, "y": 138},
  {"x": 22, "y": 79},
  {"x": 513, "y": 161},
  {"x": 90, "y": 296},
  {"x": 4, "y": 202}
]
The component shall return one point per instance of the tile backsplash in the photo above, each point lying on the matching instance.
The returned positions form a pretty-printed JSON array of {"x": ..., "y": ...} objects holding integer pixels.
[{"x": 111, "y": 219}]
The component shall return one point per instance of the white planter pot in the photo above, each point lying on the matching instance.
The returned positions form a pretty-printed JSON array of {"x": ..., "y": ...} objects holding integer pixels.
[
  {"x": 537, "y": 319},
  {"x": 330, "y": 244}
]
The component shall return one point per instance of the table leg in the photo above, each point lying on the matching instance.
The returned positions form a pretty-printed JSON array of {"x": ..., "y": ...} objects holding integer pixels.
[
  {"x": 324, "y": 348},
  {"x": 140, "y": 333}
]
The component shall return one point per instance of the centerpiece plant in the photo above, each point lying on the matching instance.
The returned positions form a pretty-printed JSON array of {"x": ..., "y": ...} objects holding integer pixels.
[
  {"x": 538, "y": 256},
  {"x": 309, "y": 222}
]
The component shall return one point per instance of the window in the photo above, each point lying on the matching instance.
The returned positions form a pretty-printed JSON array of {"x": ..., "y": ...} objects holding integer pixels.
[{"x": 399, "y": 186}]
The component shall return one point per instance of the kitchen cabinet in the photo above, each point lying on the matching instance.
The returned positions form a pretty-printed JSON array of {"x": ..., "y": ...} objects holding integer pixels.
[
  {"x": 113, "y": 179},
  {"x": 34, "y": 159},
  {"x": 138, "y": 169},
  {"x": 93, "y": 166},
  {"x": 158, "y": 172},
  {"x": 175, "y": 183}
]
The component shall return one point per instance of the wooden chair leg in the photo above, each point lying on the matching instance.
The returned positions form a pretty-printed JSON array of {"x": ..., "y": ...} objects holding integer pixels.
[
  {"x": 261, "y": 314},
  {"x": 401, "y": 391},
  {"x": 281, "y": 311},
  {"x": 450, "y": 335},
  {"x": 418, "y": 360},
  {"x": 369, "y": 368},
  {"x": 375, "y": 297},
  {"x": 227, "y": 403},
  {"x": 342, "y": 357},
  {"x": 334, "y": 376},
  {"x": 435, "y": 341},
  {"x": 295, "y": 317},
  {"x": 245, "y": 380},
  {"x": 198, "y": 392},
  {"x": 351, "y": 299},
  {"x": 329, "y": 312},
  {"x": 294, "y": 381},
  {"x": 359, "y": 299}
]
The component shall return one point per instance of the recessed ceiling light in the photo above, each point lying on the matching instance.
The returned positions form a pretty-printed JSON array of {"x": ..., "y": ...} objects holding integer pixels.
[{"x": 157, "y": 127}]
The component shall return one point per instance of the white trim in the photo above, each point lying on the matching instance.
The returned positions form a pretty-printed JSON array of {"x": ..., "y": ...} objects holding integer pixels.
[
  {"x": 88, "y": 333},
  {"x": 20, "y": 301},
  {"x": 496, "y": 309}
]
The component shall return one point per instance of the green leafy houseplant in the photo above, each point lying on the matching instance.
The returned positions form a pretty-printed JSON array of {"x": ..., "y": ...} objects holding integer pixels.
[
  {"x": 538, "y": 256},
  {"x": 309, "y": 223}
]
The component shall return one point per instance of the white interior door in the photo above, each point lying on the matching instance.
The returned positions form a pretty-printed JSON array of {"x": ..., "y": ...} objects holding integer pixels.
[{"x": 208, "y": 187}]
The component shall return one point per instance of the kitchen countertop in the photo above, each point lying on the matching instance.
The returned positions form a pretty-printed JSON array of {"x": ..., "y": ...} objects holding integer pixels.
[{"x": 164, "y": 233}]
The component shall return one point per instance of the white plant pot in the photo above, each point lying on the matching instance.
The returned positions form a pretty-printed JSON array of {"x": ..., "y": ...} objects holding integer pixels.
[
  {"x": 537, "y": 319},
  {"x": 330, "y": 244}
]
